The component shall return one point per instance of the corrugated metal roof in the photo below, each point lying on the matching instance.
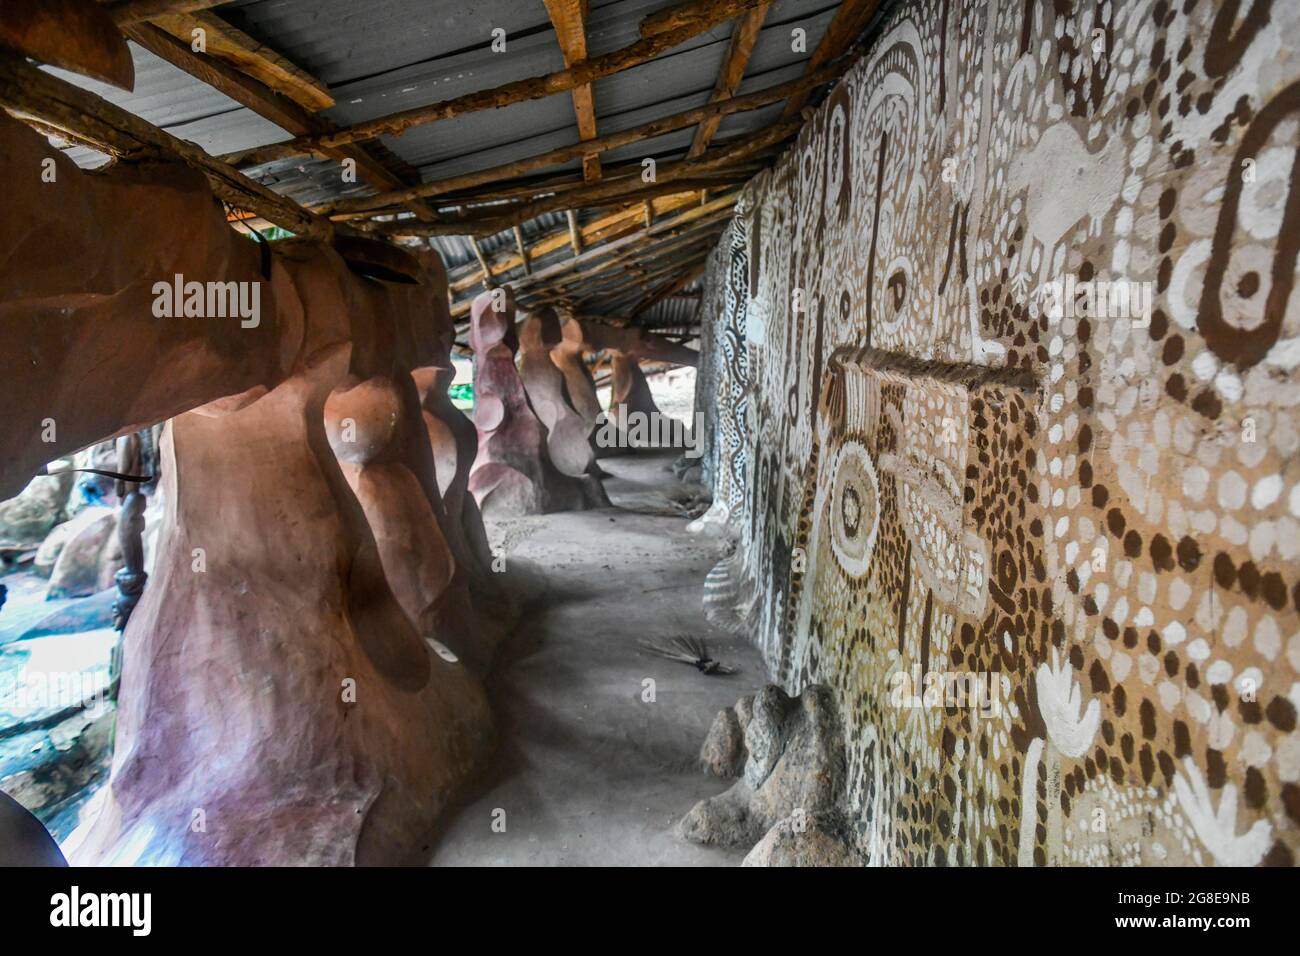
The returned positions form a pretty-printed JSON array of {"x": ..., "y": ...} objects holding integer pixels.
[{"x": 388, "y": 55}]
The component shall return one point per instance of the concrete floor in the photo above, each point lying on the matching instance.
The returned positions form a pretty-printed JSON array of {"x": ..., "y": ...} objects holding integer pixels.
[{"x": 586, "y": 772}]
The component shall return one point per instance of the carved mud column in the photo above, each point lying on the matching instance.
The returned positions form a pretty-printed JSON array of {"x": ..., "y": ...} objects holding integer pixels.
[
  {"x": 568, "y": 356},
  {"x": 630, "y": 392},
  {"x": 375, "y": 428},
  {"x": 273, "y": 689},
  {"x": 566, "y": 430},
  {"x": 513, "y": 474},
  {"x": 85, "y": 358},
  {"x": 626, "y": 346},
  {"x": 277, "y": 704},
  {"x": 454, "y": 442},
  {"x": 364, "y": 421}
]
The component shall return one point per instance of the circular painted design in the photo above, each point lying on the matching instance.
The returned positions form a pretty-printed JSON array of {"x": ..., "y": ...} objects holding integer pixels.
[{"x": 854, "y": 508}]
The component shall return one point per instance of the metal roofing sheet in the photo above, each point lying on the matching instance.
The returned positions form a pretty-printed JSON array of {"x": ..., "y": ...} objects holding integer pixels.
[{"x": 388, "y": 55}]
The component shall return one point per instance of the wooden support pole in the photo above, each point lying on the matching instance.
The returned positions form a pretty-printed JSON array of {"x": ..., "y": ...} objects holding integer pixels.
[
  {"x": 575, "y": 237},
  {"x": 488, "y": 283},
  {"x": 523, "y": 251}
]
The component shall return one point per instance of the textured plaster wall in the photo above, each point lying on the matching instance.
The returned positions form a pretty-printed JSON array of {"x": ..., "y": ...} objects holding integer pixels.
[{"x": 1045, "y": 555}]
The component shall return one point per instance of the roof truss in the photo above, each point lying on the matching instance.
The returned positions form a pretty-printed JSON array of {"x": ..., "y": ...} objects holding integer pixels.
[{"x": 627, "y": 243}]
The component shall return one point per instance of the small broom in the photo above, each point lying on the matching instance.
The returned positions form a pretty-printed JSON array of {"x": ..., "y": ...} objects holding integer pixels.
[{"x": 688, "y": 650}]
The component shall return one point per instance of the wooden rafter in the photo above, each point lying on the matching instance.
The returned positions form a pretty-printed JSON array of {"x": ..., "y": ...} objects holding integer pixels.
[
  {"x": 648, "y": 259},
  {"x": 569, "y": 17},
  {"x": 135, "y": 11},
  {"x": 581, "y": 266},
  {"x": 477, "y": 207},
  {"x": 643, "y": 258},
  {"x": 632, "y": 225},
  {"x": 28, "y": 92},
  {"x": 743, "y": 37},
  {"x": 263, "y": 101},
  {"x": 610, "y": 141},
  {"x": 667, "y": 176},
  {"x": 602, "y": 229},
  {"x": 255, "y": 59},
  {"x": 709, "y": 13},
  {"x": 848, "y": 23},
  {"x": 668, "y": 289},
  {"x": 611, "y": 248}
]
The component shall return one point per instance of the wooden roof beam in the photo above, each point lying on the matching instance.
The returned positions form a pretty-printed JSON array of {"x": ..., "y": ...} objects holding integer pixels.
[
  {"x": 569, "y": 17},
  {"x": 601, "y": 144},
  {"x": 709, "y": 13},
  {"x": 609, "y": 226},
  {"x": 263, "y": 101},
  {"x": 135, "y": 11},
  {"x": 255, "y": 59},
  {"x": 667, "y": 176},
  {"x": 628, "y": 247},
  {"x": 667, "y": 289},
  {"x": 541, "y": 276},
  {"x": 488, "y": 205},
  {"x": 28, "y": 92},
  {"x": 845, "y": 27},
  {"x": 743, "y": 37}
]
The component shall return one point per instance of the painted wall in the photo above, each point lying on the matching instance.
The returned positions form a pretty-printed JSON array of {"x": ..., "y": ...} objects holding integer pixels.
[{"x": 1004, "y": 360}]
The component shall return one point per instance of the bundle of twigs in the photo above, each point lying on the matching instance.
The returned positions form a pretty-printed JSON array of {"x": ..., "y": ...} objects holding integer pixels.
[{"x": 688, "y": 650}]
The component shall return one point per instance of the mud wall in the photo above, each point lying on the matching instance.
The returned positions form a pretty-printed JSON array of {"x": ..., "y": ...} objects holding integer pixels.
[{"x": 1004, "y": 357}]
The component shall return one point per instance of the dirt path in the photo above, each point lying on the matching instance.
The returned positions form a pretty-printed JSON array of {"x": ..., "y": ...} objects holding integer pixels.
[{"x": 586, "y": 772}]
